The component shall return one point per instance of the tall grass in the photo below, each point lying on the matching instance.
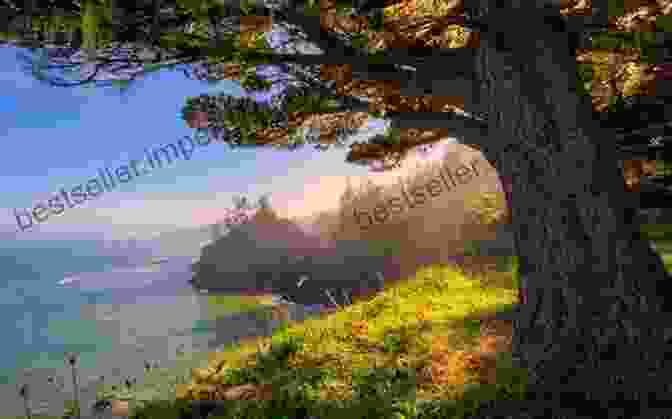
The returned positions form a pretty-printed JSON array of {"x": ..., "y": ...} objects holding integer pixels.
[
  {"x": 411, "y": 351},
  {"x": 373, "y": 353}
]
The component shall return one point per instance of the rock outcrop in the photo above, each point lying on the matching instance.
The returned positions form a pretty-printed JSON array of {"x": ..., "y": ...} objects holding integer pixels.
[{"x": 270, "y": 254}]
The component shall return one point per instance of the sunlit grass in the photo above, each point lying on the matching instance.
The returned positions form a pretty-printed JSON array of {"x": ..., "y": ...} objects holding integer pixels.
[
  {"x": 407, "y": 349},
  {"x": 222, "y": 305},
  {"x": 405, "y": 327}
]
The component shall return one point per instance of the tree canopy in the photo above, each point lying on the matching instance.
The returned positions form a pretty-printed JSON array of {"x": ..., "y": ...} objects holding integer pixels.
[
  {"x": 554, "y": 107},
  {"x": 619, "y": 65}
]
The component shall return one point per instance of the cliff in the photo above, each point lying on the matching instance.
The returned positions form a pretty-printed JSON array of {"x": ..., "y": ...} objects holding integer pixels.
[
  {"x": 271, "y": 255},
  {"x": 246, "y": 255}
]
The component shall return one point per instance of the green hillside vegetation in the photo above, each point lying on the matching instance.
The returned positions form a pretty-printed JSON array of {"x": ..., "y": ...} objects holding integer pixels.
[
  {"x": 223, "y": 305},
  {"x": 404, "y": 353},
  {"x": 439, "y": 311},
  {"x": 661, "y": 236}
]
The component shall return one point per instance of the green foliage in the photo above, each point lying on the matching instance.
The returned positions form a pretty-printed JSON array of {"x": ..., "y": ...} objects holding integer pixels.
[
  {"x": 71, "y": 408},
  {"x": 375, "y": 22},
  {"x": 380, "y": 392},
  {"x": 311, "y": 104},
  {"x": 656, "y": 231},
  {"x": 239, "y": 376},
  {"x": 312, "y": 8},
  {"x": 247, "y": 7},
  {"x": 199, "y": 9},
  {"x": 90, "y": 22},
  {"x": 270, "y": 363},
  {"x": 615, "y": 8},
  {"x": 514, "y": 271},
  {"x": 360, "y": 40},
  {"x": 584, "y": 78},
  {"x": 644, "y": 41},
  {"x": 220, "y": 305},
  {"x": 269, "y": 366},
  {"x": 394, "y": 135},
  {"x": 247, "y": 122},
  {"x": 294, "y": 138},
  {"x": 177, "y": 40},
  {"x": 383, "y": 383},
  {"x": 664, "y": 23},
  {"x": 472, "y": 327},
  {"x": 250, "y": 81},
  {"x": 377, "y": 114},
  {"x": 96, "y": 20},
  {"x": 505, "y": 263},
  {"x": 392, "y": 343},
  {"x": 616, "y": 104},
  {"x": 164, "y": 409}
]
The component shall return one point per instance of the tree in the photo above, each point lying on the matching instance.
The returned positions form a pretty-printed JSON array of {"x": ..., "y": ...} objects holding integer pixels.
[
  {"x": 565, "y": 334},
  {"x": 598, "y": 296},
  {"x": 573, "y": 331},
  {"x": 258, "y": 247}
]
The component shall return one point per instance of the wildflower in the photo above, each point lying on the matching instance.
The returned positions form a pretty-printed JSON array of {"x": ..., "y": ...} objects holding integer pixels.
[
  {"x": 359, "y": 328},
  {"x": 423, "y": 312}
]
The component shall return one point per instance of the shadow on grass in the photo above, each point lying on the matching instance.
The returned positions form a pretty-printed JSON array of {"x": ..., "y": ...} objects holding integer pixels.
[{"x": 327, "y": 367}]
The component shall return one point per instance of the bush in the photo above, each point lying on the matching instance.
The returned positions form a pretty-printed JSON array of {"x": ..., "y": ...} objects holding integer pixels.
[{"x": 383, "y": 383}]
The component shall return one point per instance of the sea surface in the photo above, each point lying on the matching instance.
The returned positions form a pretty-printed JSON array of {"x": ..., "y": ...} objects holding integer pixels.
[{"x": 62, "y": 297}]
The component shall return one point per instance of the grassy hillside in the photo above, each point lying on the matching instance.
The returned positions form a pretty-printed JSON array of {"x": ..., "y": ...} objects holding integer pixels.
[
  {"x": 441, "y": 335},
  {"x": 223, "y": 305},
  {"x": 434, "y": 345}
]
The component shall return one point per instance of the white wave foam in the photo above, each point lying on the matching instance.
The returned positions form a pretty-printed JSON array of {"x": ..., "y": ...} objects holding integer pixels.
[{"x": 67, "y": 280}]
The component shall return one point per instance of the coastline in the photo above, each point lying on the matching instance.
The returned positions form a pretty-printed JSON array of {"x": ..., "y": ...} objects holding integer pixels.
[{"x": 134, "y": 297}]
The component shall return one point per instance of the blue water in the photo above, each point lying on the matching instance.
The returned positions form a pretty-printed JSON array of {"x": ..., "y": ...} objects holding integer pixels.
[{"x": 42, "y": 320}]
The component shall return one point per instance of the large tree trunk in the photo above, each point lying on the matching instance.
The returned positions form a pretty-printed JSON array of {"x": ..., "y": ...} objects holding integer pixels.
[{"x": 595, "y": 323}]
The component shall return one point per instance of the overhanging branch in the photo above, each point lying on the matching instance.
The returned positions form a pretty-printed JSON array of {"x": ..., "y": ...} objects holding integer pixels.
[
  {"x": 455, "y": 86},
  {"x": 470, "y": 130}
]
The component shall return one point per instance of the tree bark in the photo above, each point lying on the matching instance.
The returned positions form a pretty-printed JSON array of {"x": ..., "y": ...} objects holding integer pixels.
[{"x": 595, "y": 323}]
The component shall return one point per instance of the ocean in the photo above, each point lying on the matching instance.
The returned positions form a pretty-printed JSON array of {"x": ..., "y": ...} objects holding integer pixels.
[{"x": 60, "y": 297}]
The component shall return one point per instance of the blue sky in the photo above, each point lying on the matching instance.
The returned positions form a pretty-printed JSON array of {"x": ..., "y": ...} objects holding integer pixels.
[{"x": 59, "y": 137}]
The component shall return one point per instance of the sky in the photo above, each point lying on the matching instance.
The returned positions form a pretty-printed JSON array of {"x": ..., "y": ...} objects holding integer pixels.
[{"x": 56, "y": 137}]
